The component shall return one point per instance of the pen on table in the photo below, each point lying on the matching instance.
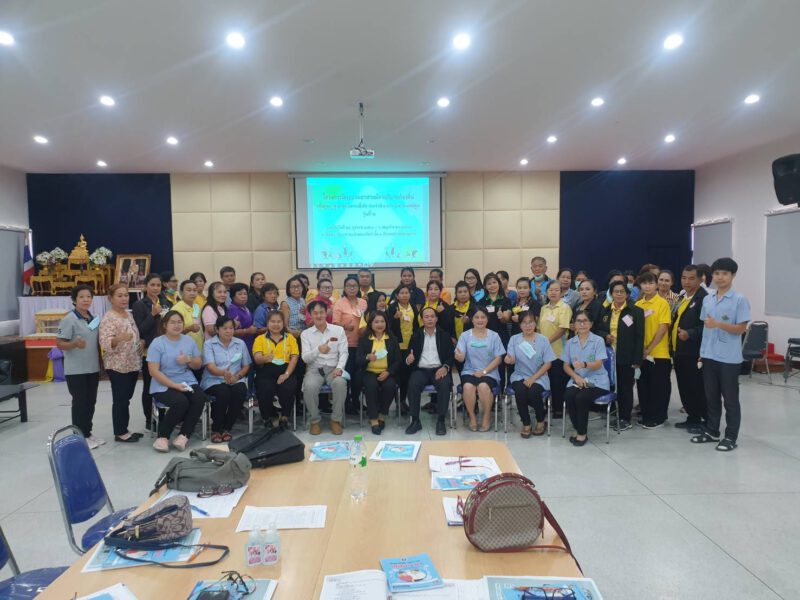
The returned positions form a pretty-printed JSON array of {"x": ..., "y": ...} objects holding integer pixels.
[{"x": 198, "y": 509}]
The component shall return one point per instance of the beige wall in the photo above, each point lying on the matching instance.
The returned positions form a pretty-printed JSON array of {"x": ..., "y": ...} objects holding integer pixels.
[{"x": 490, "y": 221}]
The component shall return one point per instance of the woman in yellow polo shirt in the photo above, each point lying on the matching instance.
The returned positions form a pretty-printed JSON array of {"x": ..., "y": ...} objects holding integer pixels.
[
  {"x": 378, "y": 358},
  {"x": 276, "y": 355},
  {"x": 554, "y": 319},
  {"x": 199, "y": 282},
  {"x": 463, "y": 309},
  {"x": 654, "y": 386},
  {"x": 402, "y": 315}
]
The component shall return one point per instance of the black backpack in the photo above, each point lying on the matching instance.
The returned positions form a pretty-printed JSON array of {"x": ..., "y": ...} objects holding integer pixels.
[{"x": 277, "y": 446}]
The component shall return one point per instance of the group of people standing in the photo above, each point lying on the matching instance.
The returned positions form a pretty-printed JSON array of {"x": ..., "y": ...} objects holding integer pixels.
[{"x": 542, "y": 337}]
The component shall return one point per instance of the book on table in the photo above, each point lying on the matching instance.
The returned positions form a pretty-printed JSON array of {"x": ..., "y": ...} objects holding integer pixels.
[
  {"x": 396, "y": 451},
  {"x": 459, "y": 481},
  {"x": 322, "y": 451},
  {"x": 409, "y": 573}
]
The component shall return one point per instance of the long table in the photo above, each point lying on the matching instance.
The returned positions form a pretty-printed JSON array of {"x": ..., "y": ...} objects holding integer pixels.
[{"x": 401, "y": 515}]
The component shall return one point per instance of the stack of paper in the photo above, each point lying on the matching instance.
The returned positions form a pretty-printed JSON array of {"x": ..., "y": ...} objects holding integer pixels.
[
  {"x": 451, "y": 511},
  {"x": 215, "y": 507},
  {"x": 285, "y": 517},
  {"x": 396, "y": 451},
  {"x": 330, "y": 451}
]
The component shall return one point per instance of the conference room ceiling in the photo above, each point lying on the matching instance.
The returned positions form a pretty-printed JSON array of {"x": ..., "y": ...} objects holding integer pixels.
[{"x": 530, "y": 72}]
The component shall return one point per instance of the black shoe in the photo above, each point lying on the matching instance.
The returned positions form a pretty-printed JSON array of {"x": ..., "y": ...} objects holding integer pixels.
[
  {"x": 382, "y": 425},
  {"x": 622, "y": 425},
  {"x": 653, "y": 425},
  {"x": 686, "y": 424},
  {"x": 576, "y": 442},
  {"x": 441, "y": 428},
  {"x": 130, "y": 439},
  {"x": 376, "y": 429},
  {"x": 414, "y": 427}
]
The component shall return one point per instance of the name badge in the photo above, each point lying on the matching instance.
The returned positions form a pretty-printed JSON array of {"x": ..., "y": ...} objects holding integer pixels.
[
  {"x": 490, "y": 308},
  {"x": 628, "y": 320},
  {"x": 196, "y": 311},
  {"x": 527, "y": 349},
  {"x": 95, "y": 323},
  {"x": 406, "y": 317},
  {"x": 525, "y": 307},
  {"x": 551, "y": 318},
  {"x": 381, "y": 354},
  {"x": 647, "y": 313}
]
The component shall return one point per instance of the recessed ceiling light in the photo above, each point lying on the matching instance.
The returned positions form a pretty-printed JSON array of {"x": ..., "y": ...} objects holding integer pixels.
[
  {"x": 552, "y": 139},
  {"x": 107, "y": 101},
  {"x": 208, "y": 164},
  {"x": 276, "y": 101},
  {"x": 40, "y": 139},
  {"x": 598, "y": 101},
  {"x": 102, "y": 163},
  {"x": 462, "y": 41},
  {"x": 6, "y": 39},
  {"x": 622, "y": 160},
  {"x": 172, "y": 140},
  {"x": 235, "y": 40},
  {"x": 669, "y": 138},
  {"x": 752, "y": 99},
  {"x": 673, "y": 41},
  {"x": 523, "y": 162},
  {"x": 443, "y": 102}
]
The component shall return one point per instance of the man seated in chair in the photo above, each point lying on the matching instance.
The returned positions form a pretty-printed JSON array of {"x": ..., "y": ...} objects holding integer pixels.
[{"x": 324, "y": 348}]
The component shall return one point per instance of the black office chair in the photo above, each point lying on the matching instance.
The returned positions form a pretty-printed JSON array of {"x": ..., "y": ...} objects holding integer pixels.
[
  {"x": 756, "y": 345},
  {"x": 792, "y": 354},
  {"x": 5, "y": 371}
]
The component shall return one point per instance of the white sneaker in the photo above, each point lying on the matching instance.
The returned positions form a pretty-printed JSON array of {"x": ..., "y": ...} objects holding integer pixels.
[
  {"x": 93, "y": 445},
  {"x": 98, "y": 441}
]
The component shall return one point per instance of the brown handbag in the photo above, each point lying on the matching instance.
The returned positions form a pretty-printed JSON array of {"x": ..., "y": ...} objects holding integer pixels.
[{"x": 505, "y": 513}]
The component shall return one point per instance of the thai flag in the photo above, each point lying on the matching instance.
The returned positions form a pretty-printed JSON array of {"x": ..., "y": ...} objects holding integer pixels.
[{"x": 27, "y": 268}]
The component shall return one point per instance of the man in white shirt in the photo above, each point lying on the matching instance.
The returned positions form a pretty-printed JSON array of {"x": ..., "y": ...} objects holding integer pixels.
[{"x": 324, "y": 349}]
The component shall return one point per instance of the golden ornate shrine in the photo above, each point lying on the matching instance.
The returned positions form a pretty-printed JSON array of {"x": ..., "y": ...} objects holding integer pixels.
[{"x": 62, "y": 277}]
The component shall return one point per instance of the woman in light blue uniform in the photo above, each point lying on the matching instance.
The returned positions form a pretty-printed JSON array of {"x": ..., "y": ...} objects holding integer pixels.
[
  {"x": 531, "y": 355},
  {"x": 481, "y": 351},
  {"x": 227, "y": 363},
  {"x": 583, "y": 358}
]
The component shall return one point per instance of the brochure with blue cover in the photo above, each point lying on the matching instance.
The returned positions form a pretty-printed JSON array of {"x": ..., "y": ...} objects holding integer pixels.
[
  {"x": 410, "y": 573},
  {"x": 330, "y": 451},
  {"x": 541, "y": 588},
  {"x": 459, "y": 482},
  {"x": 399, "y": 451}
]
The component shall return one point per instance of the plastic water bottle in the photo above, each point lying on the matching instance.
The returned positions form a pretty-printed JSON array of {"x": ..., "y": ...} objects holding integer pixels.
[
  {"x": 253, "y": 549},
  {"x": 272, "y": 546},
  {"x": 358, "y": 470}
]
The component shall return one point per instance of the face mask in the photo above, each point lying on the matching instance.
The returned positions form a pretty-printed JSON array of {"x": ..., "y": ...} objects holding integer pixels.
[
  {"x": 608, "y": 296},
  {"x": 170, "y": 291},
  {"x": 278, "y": 362},
  {"x": 577, "y": 284},
  {"x": 538, "y": 277},
  {"x": 630, "y": 286}
]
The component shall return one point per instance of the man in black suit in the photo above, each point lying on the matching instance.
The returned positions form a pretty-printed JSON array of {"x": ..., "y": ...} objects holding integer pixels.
[{"x": 685, "y": 337}]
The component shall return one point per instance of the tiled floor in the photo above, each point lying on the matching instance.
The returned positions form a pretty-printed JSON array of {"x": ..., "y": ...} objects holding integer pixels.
[{"x": 648, "y": 516}]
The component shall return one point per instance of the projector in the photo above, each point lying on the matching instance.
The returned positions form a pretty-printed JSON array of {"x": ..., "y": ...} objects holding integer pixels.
[{"x": 360, "y": 152}]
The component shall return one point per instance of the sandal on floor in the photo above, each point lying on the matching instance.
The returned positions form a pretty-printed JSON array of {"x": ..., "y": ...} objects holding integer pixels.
[
  {"x": 541, "y": 428},
  {"x": 216, "y": 438},
  {"x": 526, "y": 432},
  {"x": 703, "y": 438},
  {"x": 726, "y": 445},
  {"x": 485, "y": 429},
  {"x": 227, "y": 437}
]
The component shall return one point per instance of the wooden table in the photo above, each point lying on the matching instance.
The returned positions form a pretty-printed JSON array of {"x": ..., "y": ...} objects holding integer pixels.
[{"x": 401, "y": 515}]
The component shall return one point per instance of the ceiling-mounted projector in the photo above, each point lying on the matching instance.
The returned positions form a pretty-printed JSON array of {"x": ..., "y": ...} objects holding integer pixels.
[{"x": 361, "y": 151}]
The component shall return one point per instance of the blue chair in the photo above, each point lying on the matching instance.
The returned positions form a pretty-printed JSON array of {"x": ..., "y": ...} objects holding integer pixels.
[
  {"x": 459, "y": 395},
  {"x": 610, "y": 364},
  {"x": 508, "y": 410},
  {"x": 80, "y": 489},
  {"x": 23, "y": 585},
  {"x": 205, "y": 416}
]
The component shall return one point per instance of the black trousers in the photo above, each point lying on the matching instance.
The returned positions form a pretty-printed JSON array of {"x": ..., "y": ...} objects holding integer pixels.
[
  {"x": 227, "y": 405},
  {"x": 526, "y": 397},
  {"x": 354, "y": 388},
  {"x": 558, "y": 382},
  {"x": 403, "y": 376},
  {"x": 625, "y": 390},
  {"x": 267, "y": 387},
  {"x": 722, "y": 384},
  {"x": 147, "y": 398},
  {"x": 83, "y": 389},
  {"x": 691, "y": 388},
  {"x": 122, "y": 387},
  {"x": 379, "y": 394},
  {"x": 654, "y": 388},
  {"x": 183, "y": 406},
  {"x": 417, "y": 381},
  {"x": 579, "y": 401}
]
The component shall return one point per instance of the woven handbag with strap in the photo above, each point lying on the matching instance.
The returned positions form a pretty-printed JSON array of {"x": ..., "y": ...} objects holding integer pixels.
[{"x": 505, "y": 513}]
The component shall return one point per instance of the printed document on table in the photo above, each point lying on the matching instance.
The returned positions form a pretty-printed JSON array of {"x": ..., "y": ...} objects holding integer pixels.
[
  {"x": 454, "y": 589},
  {"x": 356, "y": 585},
  {"x": 217, "y": 507},
  {"x": 451, "y": 511},
  {"x": 456, "y": 464},
  {"x": 115, "y": 592},
  {"x": 285, "y": 517}
]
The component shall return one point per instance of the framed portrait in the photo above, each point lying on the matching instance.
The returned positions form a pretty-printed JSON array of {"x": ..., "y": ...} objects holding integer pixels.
[{"x": 131, "y": 270}]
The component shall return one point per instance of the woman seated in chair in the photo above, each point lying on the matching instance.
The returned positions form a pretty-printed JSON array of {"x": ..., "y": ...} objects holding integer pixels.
[
  {"x": 583, "y": 358},
  {"x": 378, "y": 357},
  {"x": 532, "y": 356},
  {"x": 227, "y": 363},
  {"x": 481, "y": 351},
  {"x": 170, "y": 360},
  {"x": 276, "y": 355}
]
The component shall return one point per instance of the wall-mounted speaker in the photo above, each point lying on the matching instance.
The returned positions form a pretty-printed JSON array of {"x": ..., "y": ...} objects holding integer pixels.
[{"x": 786, "y": 173}]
